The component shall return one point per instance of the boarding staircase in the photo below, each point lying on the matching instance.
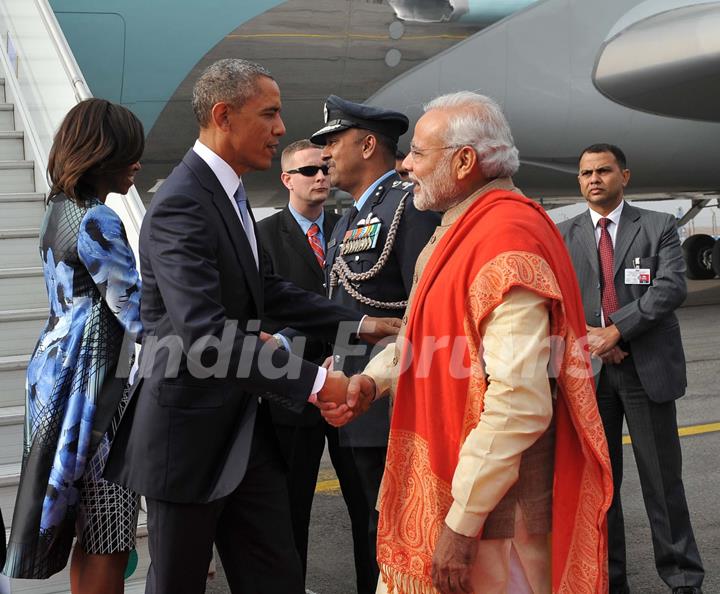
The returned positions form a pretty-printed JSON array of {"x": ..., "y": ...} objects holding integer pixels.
[{"x": 41, "y": 82}]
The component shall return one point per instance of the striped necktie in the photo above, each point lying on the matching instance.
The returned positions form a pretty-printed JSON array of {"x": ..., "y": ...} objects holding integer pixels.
[
  {"x": 316, "y": 244},
  {"x": 608, "y": 295}
]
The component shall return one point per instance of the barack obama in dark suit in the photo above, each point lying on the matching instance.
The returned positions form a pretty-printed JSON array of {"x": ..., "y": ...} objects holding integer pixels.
[{"x": 196, "y": 438}]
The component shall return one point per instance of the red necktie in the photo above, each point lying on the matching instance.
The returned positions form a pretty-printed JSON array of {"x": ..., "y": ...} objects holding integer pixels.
[
  {"x": 608, "y": 295},
  {"x": 316, "y": 244}
]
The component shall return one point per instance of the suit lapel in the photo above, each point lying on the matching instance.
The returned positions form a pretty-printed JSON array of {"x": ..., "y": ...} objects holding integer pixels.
[
  {"x": 293, "y": 235},
  {"x": 586, "y": 235},
  {"x": 626, "y": 232},
  {"x": 232, "y": 223},
  {"x": 329, "y": 225}
]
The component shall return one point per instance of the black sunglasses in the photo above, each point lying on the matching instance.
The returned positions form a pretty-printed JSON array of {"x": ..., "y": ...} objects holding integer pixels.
[{"x": 310, "y": 170}]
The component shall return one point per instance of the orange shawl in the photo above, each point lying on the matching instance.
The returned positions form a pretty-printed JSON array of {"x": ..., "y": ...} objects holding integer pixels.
[{"x": 503, "y": 240}]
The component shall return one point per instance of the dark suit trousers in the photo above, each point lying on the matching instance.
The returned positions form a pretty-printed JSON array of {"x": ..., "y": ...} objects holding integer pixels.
[
  {"x": 250, "y": 527},
  {"x": 370, "y": 464},
  {"x": 656, "y": 446},
  {"x": 303, "y": 447}
]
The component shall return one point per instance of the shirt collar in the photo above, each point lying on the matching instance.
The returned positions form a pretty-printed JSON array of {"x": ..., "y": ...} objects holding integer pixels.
[
  {"x": 614, "y": 216},
  {"x": 366, "y": 194},
  {"x": 455, "y": 212},
  {"x": 306, "y": 223},
  {"x": 225, "y": 174}
]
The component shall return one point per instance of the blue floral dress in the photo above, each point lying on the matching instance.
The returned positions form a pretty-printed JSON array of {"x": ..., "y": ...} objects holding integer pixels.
[{"x": 76, "y": 381}]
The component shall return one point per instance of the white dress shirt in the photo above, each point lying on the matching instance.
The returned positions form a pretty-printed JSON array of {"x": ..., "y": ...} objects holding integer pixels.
[
  {"x": 230, "y": 181},
  {"x": 612, "y": 228}
]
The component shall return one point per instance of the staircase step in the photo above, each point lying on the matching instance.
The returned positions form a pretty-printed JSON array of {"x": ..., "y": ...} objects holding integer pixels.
[
  {"x": 21, "y": 210},
  {"x": 22, "y": 288},
  {"x": 24, "y": 326},
  {"x": 12, "y": 380},
  {"x": 11, "y": 437},
  {"x": 7, "y": 116},
  {"x": 9, "y": 479},
  {"x": 12, "y": 147},
  {"x": 19, "y": 248},
  {"x": 16, "y": 176}
]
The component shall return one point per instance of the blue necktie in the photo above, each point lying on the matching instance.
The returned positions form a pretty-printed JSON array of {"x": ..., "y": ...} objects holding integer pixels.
[{"x": 241, "y": 200}]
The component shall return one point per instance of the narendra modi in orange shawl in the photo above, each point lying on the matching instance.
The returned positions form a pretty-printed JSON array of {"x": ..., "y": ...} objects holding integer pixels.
[{"x": 503, "y": 240}]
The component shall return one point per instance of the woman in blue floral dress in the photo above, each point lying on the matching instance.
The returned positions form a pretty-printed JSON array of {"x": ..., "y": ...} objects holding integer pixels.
[{"x": 77, "y": 376}]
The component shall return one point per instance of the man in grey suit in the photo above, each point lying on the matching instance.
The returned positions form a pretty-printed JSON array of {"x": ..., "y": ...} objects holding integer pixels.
[{"x": 631, "y": 273}]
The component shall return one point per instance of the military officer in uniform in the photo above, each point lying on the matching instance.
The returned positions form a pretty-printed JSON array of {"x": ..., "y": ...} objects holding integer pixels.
[{"x": 370, "y": 257}]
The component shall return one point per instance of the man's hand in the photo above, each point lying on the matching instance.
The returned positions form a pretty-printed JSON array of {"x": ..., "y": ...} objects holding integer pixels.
[
  {"x": 360, "y": 394},
  {"x": 269, "y": 339},
  {"x": 601, "y": 340},
  {"x": 452, "y": 562},
  {"x": 373, "y": 330},
  {"x": 614, "y": 356},
  {"x": 334, "y": 389}
]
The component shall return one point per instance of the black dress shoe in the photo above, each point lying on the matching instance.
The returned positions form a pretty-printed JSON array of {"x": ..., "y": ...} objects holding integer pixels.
[{"x": 687, "y": 590}]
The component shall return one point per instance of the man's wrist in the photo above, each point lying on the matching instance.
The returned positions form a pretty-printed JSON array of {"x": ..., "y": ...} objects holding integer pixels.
[
  {"x": 320, "y": 380},
  {"x": 281, "y": 342},
  {"x": 359, "y": 328}
]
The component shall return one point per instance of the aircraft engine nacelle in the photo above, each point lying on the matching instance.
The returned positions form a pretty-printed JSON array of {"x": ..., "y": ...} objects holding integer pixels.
[{"x": 664, "y": 60}]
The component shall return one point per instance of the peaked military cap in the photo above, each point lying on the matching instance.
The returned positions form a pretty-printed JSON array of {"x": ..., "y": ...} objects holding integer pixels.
[{"x": 341, "y": 115}]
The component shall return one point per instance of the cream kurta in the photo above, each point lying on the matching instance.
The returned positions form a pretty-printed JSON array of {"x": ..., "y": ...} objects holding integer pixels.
[{"x": 517, "y": 411}]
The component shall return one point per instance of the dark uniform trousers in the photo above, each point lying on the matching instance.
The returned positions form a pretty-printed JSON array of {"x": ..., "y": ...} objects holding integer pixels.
[{"x": 302, "y": 447}]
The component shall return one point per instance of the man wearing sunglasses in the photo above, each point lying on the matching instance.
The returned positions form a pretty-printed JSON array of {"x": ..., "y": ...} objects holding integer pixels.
[
  {"x": 294, "y": 241},
  {"x": 371, "y": 258}
]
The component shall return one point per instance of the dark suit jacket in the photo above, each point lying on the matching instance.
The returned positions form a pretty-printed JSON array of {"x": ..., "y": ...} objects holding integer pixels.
[
  {"x": 646, "y": 318},
  {"x": 186, "y": 434},
  {"x": 290, "y": 256},
  {"x": 392, "y": 283}
]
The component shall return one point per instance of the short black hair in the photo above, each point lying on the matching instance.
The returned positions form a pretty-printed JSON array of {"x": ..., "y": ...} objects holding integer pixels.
[{"x": 603, "y": 147}]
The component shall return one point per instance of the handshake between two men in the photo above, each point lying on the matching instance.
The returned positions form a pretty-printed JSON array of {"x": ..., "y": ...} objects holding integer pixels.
[{"x": 343, "y": 398}]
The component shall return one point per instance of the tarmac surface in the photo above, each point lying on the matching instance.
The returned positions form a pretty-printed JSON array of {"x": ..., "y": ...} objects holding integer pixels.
[{"x": 330, "y": 565}]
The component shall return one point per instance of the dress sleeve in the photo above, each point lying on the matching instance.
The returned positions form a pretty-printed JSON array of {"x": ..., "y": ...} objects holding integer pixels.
[{"x": 104, "y": 250}]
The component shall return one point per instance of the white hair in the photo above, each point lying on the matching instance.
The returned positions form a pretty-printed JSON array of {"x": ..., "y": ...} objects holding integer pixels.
[{"x": 476, "y": 120}]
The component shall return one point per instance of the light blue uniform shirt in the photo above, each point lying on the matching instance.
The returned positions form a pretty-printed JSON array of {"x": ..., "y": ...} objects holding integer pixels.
[{"x": 366, "y": 194}]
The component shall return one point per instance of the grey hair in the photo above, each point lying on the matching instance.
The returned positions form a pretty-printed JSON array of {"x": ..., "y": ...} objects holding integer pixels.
[
  {"x": 479, "y": 123},
  {"x": 231, "y": 80}
]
